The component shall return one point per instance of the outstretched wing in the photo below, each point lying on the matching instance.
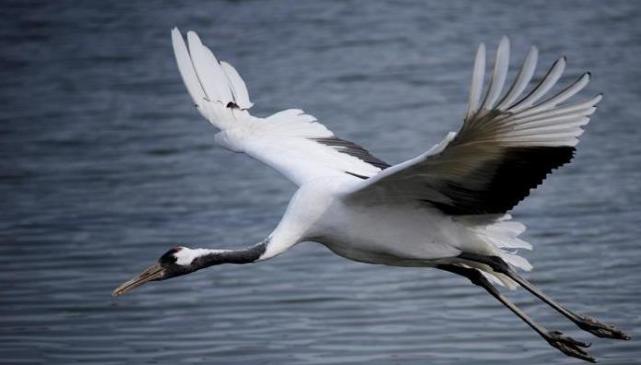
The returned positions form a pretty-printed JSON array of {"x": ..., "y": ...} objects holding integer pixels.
[
  {"x": 507, "y": 145},
  {"x": 290, "y": 141}
]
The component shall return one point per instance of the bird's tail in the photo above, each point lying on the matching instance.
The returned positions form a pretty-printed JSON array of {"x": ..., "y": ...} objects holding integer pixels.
[{"x": 502, "y": 235}]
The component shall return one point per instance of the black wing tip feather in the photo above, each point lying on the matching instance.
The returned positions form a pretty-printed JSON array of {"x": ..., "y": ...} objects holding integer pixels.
[
  {"x": 354, "y": 150},
  {"x": 521, "y": 170}
]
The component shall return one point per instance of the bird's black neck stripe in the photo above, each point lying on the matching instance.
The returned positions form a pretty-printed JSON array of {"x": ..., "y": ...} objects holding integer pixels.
[{"x": 243, "y": 256}]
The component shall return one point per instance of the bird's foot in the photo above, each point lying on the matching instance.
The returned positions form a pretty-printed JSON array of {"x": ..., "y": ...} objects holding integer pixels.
[
  {"x": 600, "y": 329},
  {"x": 569, "y": 346}
]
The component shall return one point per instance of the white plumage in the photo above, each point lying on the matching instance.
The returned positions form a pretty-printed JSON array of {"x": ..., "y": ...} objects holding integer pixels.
[{"x": 446, "y": 208}]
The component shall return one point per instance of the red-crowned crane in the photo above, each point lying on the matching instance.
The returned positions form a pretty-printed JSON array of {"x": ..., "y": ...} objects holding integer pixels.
[{"x": 446, "y": 208}]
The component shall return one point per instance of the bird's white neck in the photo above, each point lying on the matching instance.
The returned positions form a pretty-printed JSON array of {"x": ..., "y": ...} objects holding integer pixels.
[{"x": 291, "y": 230}]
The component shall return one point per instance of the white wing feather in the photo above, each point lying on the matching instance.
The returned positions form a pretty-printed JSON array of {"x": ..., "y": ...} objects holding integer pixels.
[
  {"x": 499, "y": 75},
  {"x": 239, "y": 89},
  {"x": 476, "y": 88},
  {"x": 522, "y": 79},
  {"x": 186, "y": 68},
  {"x": 290, "y": 141},
  {"x": 209, "y": 72}
]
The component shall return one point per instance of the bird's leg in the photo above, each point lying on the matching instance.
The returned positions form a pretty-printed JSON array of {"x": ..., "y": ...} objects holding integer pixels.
[
  {"x": 565, "y": 344},
  {"x": 584, "y": 322}
]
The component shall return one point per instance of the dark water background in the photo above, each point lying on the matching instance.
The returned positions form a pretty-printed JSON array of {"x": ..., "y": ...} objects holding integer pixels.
[{"x": 105, "y": 164}]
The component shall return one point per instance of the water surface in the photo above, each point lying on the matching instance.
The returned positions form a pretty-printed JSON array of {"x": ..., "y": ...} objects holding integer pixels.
[{"x": 105, "y": 164}]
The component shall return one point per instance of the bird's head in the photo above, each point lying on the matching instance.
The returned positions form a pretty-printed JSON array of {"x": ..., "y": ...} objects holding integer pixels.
[
  {"x": 177, "y": 261},
  {"x": 181, "y": 260}
]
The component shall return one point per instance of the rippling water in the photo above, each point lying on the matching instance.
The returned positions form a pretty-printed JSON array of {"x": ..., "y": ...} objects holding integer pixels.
[{"x": 105, "y": 165}]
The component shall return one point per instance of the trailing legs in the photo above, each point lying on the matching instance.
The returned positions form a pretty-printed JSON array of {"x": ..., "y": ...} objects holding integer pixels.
[
  {"x": 565, "y": 344},
  {"x": 584, "y": 322}
]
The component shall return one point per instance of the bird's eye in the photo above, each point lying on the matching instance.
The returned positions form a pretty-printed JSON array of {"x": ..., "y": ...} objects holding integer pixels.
[{"x": 170, "y": 256}]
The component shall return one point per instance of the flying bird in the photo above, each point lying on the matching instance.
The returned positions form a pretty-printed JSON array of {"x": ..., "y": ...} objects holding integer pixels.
[{"x": 446, "y": 208}]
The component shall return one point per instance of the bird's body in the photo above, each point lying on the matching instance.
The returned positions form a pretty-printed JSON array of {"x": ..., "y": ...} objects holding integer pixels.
[
  {"x": 373, "y": 233},
  {"x": 446, "y": 208},
  {"x": 369, "y": 233}
]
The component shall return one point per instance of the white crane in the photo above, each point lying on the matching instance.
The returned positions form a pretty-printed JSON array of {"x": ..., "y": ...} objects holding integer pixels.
[{"x": 446, "y": 208}]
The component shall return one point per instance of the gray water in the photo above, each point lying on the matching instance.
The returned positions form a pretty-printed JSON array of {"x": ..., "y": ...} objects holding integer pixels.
[{"x": 105, "y": 164}]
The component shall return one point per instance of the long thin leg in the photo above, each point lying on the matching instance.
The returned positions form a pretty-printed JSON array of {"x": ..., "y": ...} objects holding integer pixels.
[
  {"x": 584, "y": 322},
  {"x": 565, "y": 344}
]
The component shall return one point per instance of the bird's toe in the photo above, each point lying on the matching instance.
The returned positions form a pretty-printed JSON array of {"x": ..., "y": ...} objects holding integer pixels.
[
  {"x": 601, "y": 329},
  {"x": 569, "y": 346}
]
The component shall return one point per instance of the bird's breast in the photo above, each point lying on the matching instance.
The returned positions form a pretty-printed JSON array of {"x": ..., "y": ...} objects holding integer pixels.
[{"x": 380, "y": 234}]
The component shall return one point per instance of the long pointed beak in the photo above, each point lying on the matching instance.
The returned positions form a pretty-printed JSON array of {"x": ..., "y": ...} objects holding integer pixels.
[{"x": 153, "y": 272}]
